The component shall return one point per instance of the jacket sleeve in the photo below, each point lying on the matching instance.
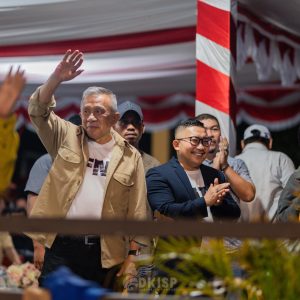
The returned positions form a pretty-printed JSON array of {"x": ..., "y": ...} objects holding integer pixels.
[
  {"x": 228, "y": 209},
  {"x": 138, "y": 208},
  {"x": 289, "y": 201},
  {"x": 50, "y": 128},
  {"x": 162, "y": 199},
  {"x": 9, "y": 144}
]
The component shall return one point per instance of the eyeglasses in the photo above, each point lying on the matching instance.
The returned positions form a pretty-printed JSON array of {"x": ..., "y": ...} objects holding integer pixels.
[
  {"x": 195, "y": 141},
  {"x": 97, "y": 113},
  {"x": 134, "y": 122}
]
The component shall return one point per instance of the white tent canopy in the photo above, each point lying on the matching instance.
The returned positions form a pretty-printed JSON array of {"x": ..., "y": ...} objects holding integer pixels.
[{"x": 142, "y": 47}]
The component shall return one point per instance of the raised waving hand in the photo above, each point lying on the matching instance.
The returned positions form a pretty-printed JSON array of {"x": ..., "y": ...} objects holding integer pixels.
[
  {"x": 10, "y": 91},
  {"x": 68, "y": 68}
]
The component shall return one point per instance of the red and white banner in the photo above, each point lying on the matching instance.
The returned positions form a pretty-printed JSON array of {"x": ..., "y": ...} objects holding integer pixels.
[
  {"x": 271, "y": 48},
  {"x": 215, "y": 52},
  {"x": 148, "y": 49},
  {"x": 276, "y": 108},
  {"x": 160, "y": 112}
]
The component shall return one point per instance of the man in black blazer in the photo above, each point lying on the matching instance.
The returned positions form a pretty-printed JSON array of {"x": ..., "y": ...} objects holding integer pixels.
[{"x": 184, "y": 187}]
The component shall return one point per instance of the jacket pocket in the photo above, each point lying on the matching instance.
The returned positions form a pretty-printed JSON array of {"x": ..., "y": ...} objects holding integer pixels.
[
  {"x": 68, "y": 155},
  {"x": 124, "y": 179}
]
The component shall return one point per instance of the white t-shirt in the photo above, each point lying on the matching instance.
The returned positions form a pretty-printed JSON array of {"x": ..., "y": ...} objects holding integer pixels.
[
  {"x": 88, "y": 202},
  {"x": 197, "y": 182}
]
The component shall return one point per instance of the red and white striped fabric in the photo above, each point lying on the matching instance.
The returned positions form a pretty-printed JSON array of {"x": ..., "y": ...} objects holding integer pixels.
[
  {"x": 160, "y": 112},
  {"x": 269, "y": 47},
  {"x": 278, "y": 108},
  {"x": 215, "y": 53},
  {"x": 147, "y": 48}
]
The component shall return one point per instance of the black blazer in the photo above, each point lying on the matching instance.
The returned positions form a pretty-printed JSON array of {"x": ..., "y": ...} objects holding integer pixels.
[{"x": 170, "y": 192}]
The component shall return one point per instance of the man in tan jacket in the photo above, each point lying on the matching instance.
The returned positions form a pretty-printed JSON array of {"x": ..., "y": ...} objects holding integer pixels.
[{"x": 95, "y": 174}]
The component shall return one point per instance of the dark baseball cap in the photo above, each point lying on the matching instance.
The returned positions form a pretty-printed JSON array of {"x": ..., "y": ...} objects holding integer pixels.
[{"x": 126, "y": 106}]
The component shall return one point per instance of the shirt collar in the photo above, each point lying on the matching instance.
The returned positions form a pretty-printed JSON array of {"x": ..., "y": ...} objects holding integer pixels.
[{"x": 256, "y": 145}]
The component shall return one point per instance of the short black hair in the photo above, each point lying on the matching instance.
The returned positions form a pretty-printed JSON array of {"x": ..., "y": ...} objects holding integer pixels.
[
  {"x": 256, "y": 138},
  {"x": 188, "y": 123},
  {"x": 207, "y": 117}
]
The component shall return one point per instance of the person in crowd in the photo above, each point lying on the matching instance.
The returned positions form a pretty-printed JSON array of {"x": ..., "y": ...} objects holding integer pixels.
[
  {"x": 131, "y": 127},
  {"x": 7, "y": 249},
  {"x": 289, "y": 201},
  {"x": 235, "y": 170},
  {"x": 10, "y": 91},
  {"x": 95, "y": 174},
  {"x": 269, "y": 170},
  {"x": 36, "y": 178},
  {"x": 185, "y": 187}
]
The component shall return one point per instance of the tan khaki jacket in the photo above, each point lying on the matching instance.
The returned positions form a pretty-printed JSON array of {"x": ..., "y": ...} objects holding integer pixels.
[{"x": 124, "y": 191}]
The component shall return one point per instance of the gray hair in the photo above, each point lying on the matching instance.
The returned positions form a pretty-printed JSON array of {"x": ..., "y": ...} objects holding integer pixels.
[{"x": 95, "y": 90}]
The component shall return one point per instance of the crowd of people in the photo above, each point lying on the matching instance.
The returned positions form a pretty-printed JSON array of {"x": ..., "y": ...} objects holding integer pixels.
[{"x": 95, "y": 169}]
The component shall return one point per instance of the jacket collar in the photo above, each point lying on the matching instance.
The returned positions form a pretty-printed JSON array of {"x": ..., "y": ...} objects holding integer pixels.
[
  {"x": 184, "y": 178},
  {"x": 180, "y": 172},
  {"x": 256, "y": 145},
  {"x": 118, "y": 139}
]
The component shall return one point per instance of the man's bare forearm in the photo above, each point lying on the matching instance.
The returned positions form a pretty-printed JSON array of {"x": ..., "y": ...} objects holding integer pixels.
[{"x": 241, "y": 187}]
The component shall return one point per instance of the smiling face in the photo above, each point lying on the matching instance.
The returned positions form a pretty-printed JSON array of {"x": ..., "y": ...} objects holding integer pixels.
[
  {"x": 189, "y": 156},
  {"x": 98, "y": 117}
]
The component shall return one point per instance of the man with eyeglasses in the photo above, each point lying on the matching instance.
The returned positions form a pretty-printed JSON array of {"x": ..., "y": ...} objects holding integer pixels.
[
  {"x": 131, "y": 127},
  {"x": 185, "y": 187},
  {"x": 235, "y": 170},
  {"x": 96, "y": 174}
]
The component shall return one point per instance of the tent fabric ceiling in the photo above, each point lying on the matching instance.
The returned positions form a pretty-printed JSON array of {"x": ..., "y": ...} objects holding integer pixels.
[
  {"x": 39, "y": 21},
  {"x": 159, "y": 37},
  {"x": 284, "y": 15},
  {"x": 35, "y": 23},
  {"x": 46, "y": 28}
]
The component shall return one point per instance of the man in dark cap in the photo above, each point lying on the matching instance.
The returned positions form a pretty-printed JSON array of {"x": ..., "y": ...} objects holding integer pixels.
[{"x": 131, "y": 127}]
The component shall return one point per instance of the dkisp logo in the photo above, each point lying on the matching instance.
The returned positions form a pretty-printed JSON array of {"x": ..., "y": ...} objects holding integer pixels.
[{"x": 162, "y": 284}]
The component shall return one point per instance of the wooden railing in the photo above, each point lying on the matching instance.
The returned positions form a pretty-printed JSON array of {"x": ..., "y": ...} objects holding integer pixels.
[
  {"x": 150, "y": 228},
  {"x": 146, "y": 228}
]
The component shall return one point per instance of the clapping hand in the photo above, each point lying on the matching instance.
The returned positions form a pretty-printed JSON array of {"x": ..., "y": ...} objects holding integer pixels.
[
  {"x": 221, "y": 157},
  {"x": 216, "y": 193}
]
